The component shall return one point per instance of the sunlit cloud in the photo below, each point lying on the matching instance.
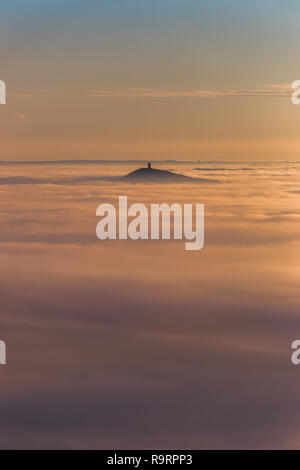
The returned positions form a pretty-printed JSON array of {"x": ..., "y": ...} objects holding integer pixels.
[
  {"x": 15, "y": 117},
  {"x": 28, "y": 95},
  {"x": 273, "y": 90}
]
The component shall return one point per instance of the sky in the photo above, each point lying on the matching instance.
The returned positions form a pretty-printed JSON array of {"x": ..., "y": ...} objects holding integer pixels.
[
  {"x": 181, "y": 79},
  {"x": 142, "y": 344}
]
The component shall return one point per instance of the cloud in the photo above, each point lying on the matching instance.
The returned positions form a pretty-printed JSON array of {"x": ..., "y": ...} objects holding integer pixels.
[
  {"x": 12, "y": 180},
  {"x": 15, "y": 117},
  {"x": 88, "y": 359},
  {"x": 270, "y": 91},
  {"x": 137, "y": 345},
  {"x": 58, "y": 181},
  {"x": 222, "y": 169},
  {"x": 29, "y": 95}
]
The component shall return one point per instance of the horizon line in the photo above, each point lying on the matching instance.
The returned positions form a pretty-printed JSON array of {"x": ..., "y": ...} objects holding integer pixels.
[{"x": 145, "y": 161}]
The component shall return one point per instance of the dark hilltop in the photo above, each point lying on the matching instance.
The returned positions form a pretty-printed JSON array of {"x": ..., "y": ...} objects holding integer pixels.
[{"x": 150, "y": 174}]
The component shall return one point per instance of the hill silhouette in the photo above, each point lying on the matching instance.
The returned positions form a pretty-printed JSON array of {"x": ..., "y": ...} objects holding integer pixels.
[{"x": 150, "y": 174}]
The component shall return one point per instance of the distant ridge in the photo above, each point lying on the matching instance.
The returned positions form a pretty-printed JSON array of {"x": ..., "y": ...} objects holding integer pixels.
[
  {"x": 92, "y": 162},
  {"x": 126, "y": 162}
]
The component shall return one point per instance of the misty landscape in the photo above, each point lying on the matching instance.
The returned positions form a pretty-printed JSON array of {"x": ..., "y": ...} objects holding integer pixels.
[{"x": 121, "y": 344}]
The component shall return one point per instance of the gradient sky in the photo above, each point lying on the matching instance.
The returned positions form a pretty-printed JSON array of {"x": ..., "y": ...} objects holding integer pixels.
[{"x": 140, "y": 79}]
